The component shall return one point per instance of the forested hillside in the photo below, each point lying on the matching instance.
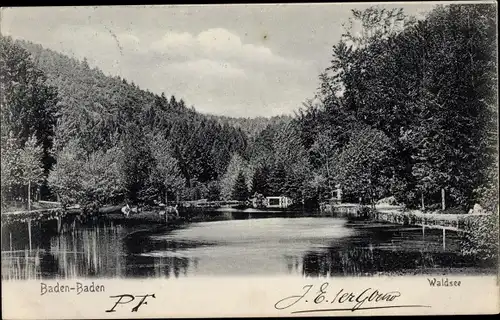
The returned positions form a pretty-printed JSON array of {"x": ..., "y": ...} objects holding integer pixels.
[
  {"x": 108, "y": 140},
  {"x": 406, "y": 109},
  {"x": 105, "y": 122}
]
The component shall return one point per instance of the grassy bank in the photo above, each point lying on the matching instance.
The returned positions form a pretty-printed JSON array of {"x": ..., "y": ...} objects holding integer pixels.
[{"x": 457, "y": 222}]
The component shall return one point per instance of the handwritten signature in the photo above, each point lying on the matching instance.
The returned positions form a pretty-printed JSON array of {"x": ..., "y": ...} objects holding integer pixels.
[
  {"x": 130, "y": 298},
  {"x": 369, "y": 298}
]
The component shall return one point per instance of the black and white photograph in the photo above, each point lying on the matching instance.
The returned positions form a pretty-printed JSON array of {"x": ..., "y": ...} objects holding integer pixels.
[{"x": 313, "y": 141}]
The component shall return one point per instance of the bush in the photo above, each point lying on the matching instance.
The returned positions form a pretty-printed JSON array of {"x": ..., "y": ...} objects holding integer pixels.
[
  {"x": 481, "y": 239},
  {"x": 366, "y": 212},
  {"x": 388, "y": 201}
]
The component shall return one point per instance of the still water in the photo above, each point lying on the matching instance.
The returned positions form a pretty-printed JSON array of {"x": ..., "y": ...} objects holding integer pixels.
[{"x": 235, "y": 245}]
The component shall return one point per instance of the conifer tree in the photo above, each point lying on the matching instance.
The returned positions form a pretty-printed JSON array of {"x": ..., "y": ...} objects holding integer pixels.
[{"x": 240, "y": 191}]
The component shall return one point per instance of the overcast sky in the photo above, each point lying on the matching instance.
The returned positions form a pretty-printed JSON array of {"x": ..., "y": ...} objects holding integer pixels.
[{"x": 238, "y": 60}]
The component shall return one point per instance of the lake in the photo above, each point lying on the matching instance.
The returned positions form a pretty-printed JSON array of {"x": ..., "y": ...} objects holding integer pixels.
[{"x": 233, "y": 243}]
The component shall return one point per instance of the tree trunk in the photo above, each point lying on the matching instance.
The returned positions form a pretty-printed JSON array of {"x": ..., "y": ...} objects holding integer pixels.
[
  {"x": 443, "y": 200},
  {"x": 29, "y": 232},
  {"x": 166, "y": 206},
  {"x": 328, "y": 178},
  {"x": 59, "y": 225},
  {"x": 423, "y": 203},
  {"x": 29, "y": 195},
  {"x": 303, "y": 201}
]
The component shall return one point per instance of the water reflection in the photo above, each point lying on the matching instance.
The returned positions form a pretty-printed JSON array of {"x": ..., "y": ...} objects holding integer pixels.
[{"x": 302, "y": 246}]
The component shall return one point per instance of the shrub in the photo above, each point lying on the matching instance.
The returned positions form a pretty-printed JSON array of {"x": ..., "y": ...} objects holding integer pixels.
[
  {"x": 481, "y": 238},
  {"x": 366, "y": 212}
]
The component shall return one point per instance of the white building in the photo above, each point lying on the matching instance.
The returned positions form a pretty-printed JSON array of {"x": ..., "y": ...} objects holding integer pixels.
[{"x": 275, "y": 202}]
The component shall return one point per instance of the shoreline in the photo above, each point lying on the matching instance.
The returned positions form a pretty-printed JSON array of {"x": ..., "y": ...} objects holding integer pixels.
[
  {"x": 406, "y": 217},
  {"x": 384, "y": 214}
]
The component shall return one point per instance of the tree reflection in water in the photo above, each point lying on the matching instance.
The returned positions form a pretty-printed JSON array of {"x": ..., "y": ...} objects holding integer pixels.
[
  {"x": 366, "y": 261},
  {"x": 306, "y": 247}
]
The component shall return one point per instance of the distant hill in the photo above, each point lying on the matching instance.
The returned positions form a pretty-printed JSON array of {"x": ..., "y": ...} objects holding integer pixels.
[{"x": 252, "y": 127}]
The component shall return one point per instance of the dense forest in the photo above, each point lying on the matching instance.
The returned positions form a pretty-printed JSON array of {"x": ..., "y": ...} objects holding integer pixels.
[
  {"x": 251, "y": 126},
  {"x": 407, "y": 108}
]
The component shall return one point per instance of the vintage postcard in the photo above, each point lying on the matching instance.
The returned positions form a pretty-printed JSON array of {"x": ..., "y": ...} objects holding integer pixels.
[{"x": 271, "y": 160}]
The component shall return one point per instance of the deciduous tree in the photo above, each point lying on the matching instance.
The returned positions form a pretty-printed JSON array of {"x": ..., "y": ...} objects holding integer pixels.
[{"x": 31, "y": 166}]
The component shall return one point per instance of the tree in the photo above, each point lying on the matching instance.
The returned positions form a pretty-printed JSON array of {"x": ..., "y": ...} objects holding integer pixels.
[
  {"x": 363, "y": 169},
  {"x": 323, "y": 147},
  {"x": 240, "y": 190},
  {"x": 165, "y": 171},
  {"x": 316, "y": 186},
  {"x": 9, "y": 169},
  {"x": 229, "y": 179},
  {"x": 30, "y": 165},
  {"x": 28, "y": 103},
  {"x": 259, "y": 181},
  {"x": 102, "y": 180},
  {"x": 198, "y": 190},
  {"x": 66, "y": 177},
  {"x": 276, "y": 179},
  {"x": 213, "y": 191},
  {"x": 90, "y": 181},
  {"x": 487, "y": 193},
  {"x": 137, "y": 161}
]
